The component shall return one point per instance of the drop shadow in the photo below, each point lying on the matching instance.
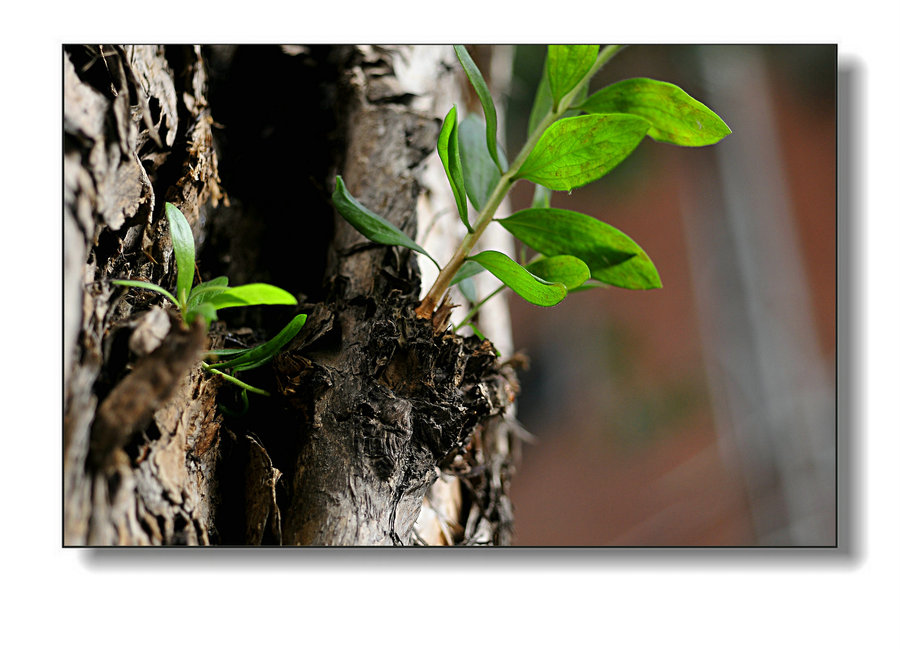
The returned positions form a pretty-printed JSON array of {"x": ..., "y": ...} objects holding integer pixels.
[
  {"x": 849, "y": 289},
  {"x": 850, "y": 443}
]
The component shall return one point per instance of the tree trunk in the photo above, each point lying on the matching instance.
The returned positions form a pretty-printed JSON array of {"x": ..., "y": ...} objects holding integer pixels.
[{"x": 374, "y": 412}]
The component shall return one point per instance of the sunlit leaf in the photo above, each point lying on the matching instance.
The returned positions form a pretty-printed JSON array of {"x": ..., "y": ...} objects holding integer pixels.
[
  {"x": 448, "y": 151},
  {"x": 566, "y": 67},
  {"x": 674, "y": 115},
  {"x": 611, "y": 255},
  {"x": 250, "y": 295},
  {"x": 543, "y": 102},
  {"x": 183, "y": 244},
  {"x": 564, "y": 269},
  {"x": 484, "y": 95},
  {"x": 206, "y": 290},
  {"x": 577, "y": 150},
  {"x": 528, "y": 286},
  {"x": 369, "y": 224}
]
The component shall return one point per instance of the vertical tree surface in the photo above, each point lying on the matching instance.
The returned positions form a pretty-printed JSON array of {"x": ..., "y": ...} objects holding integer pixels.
[{"x": 374, "y": 412}]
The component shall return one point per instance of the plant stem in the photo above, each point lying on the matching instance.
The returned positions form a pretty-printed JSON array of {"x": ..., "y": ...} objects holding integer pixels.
[
  {"x": 441, "y": 285},
  {"x": 476, "y": 308},
  {"x": 237, "y": 382}
]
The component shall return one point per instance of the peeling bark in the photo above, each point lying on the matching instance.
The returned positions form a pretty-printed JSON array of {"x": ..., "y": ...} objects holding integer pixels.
[
  {"x": 375, "y": 412},
  {"x": 127, "y": 137}
]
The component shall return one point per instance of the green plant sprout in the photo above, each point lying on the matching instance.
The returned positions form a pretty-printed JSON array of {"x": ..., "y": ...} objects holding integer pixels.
[
  {"x": 205, "y": 299},
  {"x": 573, "y": 139}
]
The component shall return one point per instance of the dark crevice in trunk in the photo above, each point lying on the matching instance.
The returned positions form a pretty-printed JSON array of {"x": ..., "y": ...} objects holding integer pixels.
[
  {"x": 368, "y": 402},
  {"x": 276, "y": 140}
]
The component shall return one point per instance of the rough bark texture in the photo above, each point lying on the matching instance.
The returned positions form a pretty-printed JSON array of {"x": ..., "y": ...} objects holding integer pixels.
[{"x": 370, "y": 405}]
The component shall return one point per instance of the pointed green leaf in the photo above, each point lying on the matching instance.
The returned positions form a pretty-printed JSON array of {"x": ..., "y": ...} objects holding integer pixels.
[
  {"x": 468, "y": 269},
  {"x": 250, "y": 295},
  {"x": 479, "y": 171},
  {"x": 567, "y": 65},
  {"x": 577, "y": 150},
  {"x": 484, "y": 95},
  {"x": 543, "y": 102},
  {"x": 448, "y": 151},
  {"x": 674, "y": 115},
  {"x": 564, "y": 269},
  {"x": 528, "y": 286},
  {"x": 232, "y": 351},
  {"x": 136, "y": 283},
  {"x": 183, "y": 244},
  {"x": 208, "y": 289},
  {"x": 262, "y": 354},
  {"x": 369, "y": 224},
  {"x": 611, "y": 256}
]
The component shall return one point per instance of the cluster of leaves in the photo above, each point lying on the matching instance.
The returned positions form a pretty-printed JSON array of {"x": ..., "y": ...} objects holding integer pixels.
[
  {"x": 205, "y": 300},
  {"x": 573, "y": 139}
]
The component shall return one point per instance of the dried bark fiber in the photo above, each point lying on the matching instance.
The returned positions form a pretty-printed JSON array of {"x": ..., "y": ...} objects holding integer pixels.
[{"x": 374, "y": 412}]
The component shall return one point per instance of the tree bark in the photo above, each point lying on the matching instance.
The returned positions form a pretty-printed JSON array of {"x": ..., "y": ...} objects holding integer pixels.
[{"x": 370, "y": 407}]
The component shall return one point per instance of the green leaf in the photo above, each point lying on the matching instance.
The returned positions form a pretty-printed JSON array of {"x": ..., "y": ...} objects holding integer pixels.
[
  {"x": 136, "y": 283},
  {"x": 207, "y": 289},
  {"x": 262, "y": 354},
  {"x": 448, "y": 151},
  {"x": 250, "y": 295},
  {"x": 204, "y": 309},
  {"x": 611, "y": 256},
  {"x": 217, "y": 353},
  {"x": 562, "y": 269},
  {"x": 577, "y": 150},
  {"x": 369, "y": 224},
  {"x": 566, "y": 67},
  {"x": 674, "y": 115},
  {"x": 541, "y": 197},
  {"x": 543, "y": 102},
  {"x": 468, "y": 289},
  {"x": 529, "y": 287},
  {"x": 479, "y": 171},
  {"x": 484, "y": 95},
  {"x": 468, "y": 269},
  {"x": 183, "y": 244}
]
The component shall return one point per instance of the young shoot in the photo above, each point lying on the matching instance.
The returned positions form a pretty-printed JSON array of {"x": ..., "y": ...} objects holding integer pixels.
[
  {"x": 573, "y": 139},
  {"x": 205, "y": 300}
]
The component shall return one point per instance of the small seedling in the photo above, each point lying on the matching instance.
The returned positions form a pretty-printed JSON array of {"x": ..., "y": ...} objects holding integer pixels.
[
  {"x": 573, "y": 139},
  {"x": 205, "y": 299}
]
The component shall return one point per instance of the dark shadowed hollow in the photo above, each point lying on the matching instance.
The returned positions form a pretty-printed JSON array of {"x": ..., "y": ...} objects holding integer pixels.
[{"x": 702, "y": 413}]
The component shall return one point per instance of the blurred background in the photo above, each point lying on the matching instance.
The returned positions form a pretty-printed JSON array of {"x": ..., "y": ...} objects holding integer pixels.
[{"x": 702, "y": 413}]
